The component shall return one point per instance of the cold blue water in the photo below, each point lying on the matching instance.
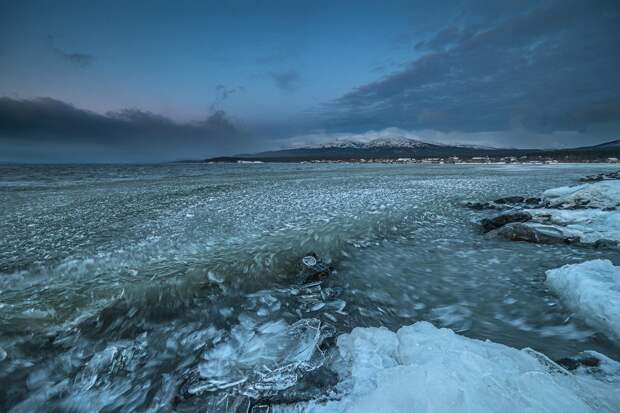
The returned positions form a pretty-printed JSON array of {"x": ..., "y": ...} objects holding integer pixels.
[{"x": 177, "y": 287}]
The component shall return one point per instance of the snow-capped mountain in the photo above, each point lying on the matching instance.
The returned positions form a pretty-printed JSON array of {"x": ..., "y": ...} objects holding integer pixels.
[
  {"x": 392, "y": 142},
  {"x": 399, "y": 142}
]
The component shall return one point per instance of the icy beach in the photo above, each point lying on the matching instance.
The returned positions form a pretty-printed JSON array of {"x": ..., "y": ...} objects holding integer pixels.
[{"x": 309, "y": 288}]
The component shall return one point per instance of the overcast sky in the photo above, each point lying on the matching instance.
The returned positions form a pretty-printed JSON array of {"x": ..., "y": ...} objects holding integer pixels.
[{"x": 162, "y": 80}]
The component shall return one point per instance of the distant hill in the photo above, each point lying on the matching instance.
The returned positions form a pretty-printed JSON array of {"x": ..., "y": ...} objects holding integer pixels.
[
  {"x": 607, "y": 145},
  {"x": 401, "y": 147}
]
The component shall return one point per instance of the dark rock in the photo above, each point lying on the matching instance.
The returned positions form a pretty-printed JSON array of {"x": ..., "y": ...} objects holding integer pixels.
[
  {"x": 601, "y": 177},
  {"x": 568, "y": 363},
  {"x": 538, "y": 234},
  {"x": 510, "y": 200},
  {"x": 605, "y": 243},
  {"x": 313, "y": 269},
  {"x": 574, "y": 363},
  {"x": 479, "y": 206},
  {"x": 502, "y": 203},
  {"x": 489, "y": 224}
]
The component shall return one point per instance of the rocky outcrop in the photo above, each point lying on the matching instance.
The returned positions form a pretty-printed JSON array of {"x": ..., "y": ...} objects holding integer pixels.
[
  {"x": 510, "y": 200},
  {"x": 537, "y": 233},
  {"x": 480, "y": 206},
  {"x": 490, "y": 224},
  {"x": 601, "y": 177},
  {"x": 504, "y": 203}
]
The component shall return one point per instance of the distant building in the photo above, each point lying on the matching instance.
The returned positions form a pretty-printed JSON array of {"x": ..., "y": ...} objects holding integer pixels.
[{"x": 482, "y": 159}]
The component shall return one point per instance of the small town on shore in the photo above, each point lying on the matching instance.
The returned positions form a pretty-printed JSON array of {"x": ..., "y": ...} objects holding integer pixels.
[{"x": 476, "y": 160}]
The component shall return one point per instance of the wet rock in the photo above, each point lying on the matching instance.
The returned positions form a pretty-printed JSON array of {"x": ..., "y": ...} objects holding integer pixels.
[
  {"x": 479, "y": 206},
  {"x": 510, "y": 200},
  {"x": 313, "y": 269},
  {"x": 489, "y": 224},
  {"x": 540, "y": 234},
  {"x": 601, "y": 177},
  {"x": 605, "y": 243},
  {"x": 503, "y": 203},
  {"x": 574, "y": 363}
]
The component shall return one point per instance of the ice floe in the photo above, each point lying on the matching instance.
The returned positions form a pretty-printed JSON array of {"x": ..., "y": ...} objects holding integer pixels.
[
  {"x": 592, "y": 290},
  {"x": 422, "y": 368}
]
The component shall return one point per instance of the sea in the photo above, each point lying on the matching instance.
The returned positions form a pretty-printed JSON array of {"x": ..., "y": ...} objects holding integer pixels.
[{"x": 183, "y": 287}]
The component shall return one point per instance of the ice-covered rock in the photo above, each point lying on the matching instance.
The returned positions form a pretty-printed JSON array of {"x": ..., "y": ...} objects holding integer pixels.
[
  {"x": 603, "y": 194},
  {"x": 590, "y": 225},
  {"x": 601, "y": 177},
  {"x": 583, "y": 214},
  {"x": 592, "y": 290},
  {"x": 425, "y": 369}
]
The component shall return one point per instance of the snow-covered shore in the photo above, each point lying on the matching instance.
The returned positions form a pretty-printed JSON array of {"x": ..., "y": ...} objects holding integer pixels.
[{"x": 421, "y": 368}]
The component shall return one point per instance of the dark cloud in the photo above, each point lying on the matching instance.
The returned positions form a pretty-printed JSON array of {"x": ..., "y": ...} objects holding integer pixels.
[
  {"x": 34, "y": 129},
  {"x": 222, "y": 93},
  {"x": 287, "y": 81},
  {"x": 550, "y": 67},
  {"x": 79, "y": 59}
]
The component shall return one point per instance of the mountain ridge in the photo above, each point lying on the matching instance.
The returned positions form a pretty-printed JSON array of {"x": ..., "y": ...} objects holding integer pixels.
[
  {"x": 403, "y": 147},
  {"x": 383, "y": 142}
]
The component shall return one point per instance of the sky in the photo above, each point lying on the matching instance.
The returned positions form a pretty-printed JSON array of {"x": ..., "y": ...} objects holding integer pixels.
[{"x": 156, "y": 80}]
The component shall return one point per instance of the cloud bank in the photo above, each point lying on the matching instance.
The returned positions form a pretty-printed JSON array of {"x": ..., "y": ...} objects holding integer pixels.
[
  {"x": 548, "y": 69},
  {"x": 46, "y": 129}
]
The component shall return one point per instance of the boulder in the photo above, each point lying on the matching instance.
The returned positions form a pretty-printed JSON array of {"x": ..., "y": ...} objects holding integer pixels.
[
  {"x": 574, "y": 363},
  {"x": 605, "y": 243},
  {"x": 510, "y": 200},
  {"x": 313, "y": 269},
  {"x": 479, "y": 206},
  {"x": 489, "y": 224},
  {"x": 537, "y": 233}
]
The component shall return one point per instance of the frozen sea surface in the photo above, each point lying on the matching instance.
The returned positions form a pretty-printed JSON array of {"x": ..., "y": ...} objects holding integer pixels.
[{"x": 152, "y": 288}]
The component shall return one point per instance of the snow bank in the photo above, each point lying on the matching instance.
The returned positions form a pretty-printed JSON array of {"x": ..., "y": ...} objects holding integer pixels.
[
  {"x": 604, "y": 194},
  {"x": 425, "y": 369},
  {"x": 592, "y": 290}
]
